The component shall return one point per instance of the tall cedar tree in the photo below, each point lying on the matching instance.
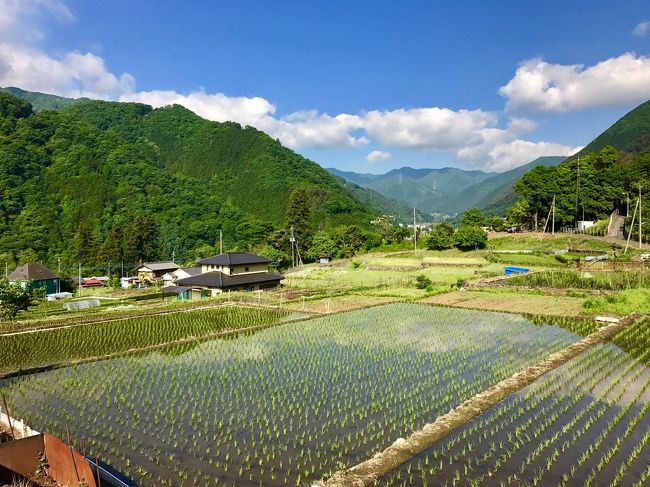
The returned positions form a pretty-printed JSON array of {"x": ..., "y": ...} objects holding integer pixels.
[
  {"x": 298, "y": 216},
  {"x": 141, "y": 240}
]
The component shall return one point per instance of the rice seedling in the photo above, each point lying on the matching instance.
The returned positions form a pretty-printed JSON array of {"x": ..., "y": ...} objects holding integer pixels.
[{"x": 290, "y": 404}]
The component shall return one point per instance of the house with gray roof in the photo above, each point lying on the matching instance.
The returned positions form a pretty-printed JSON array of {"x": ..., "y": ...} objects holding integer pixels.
[
  {"x": 35, "y": 276},
  {"x": 231, "y": 271}
]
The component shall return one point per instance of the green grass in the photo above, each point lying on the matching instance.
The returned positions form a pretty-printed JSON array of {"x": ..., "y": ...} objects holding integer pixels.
[
  {"x": 622, "y": 303},
  {"x": 550, "y": 242},
  {"x": 610, "y": 281}
]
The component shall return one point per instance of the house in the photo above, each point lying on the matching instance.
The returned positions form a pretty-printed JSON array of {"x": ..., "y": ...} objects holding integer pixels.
[
  {"x": 232, "y": 271},
  {"x": 34, "y": 276},
  {"x": 91, "y": 282},
  {"x": 153, "y": 271},
  {"x": 129, "y": 282},
  {"x": 171, "y": 277}
]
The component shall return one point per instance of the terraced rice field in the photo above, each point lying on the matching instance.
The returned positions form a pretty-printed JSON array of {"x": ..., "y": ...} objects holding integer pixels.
[
  {"x": 587, "y": 423},
  {"x": 287, "y": 405}
]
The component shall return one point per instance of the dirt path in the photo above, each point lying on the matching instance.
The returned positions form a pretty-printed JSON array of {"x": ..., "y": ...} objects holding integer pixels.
[{"x": 402, "y": 450}]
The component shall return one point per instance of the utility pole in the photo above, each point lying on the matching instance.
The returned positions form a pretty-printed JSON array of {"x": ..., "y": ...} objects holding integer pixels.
[
  {"x": 6, "y": 270},
  {"x": 577, "y": 191},
  {"x": 79, "y": 282},
  {"x": 220, "y": 242},
  {"x": 59, "y": 265},
  {"x": 292, "y": 239},
  {"x": 174, "y": 256},
  {"x": 415, "y": 233},
  {"x": 640, "y": 213},
  {"x": 553, "y": 207}
]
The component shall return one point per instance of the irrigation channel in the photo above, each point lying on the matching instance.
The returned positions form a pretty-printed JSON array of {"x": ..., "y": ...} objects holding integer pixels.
[{"x": 289, "y": 404}]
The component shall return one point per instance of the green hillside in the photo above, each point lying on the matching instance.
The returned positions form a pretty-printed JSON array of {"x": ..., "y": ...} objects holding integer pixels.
[
  {"x": 75, "y": 178},
  {"x": 502, "y": 195},
  {"x": 41, "y": 101},
  {"x": 244, "y": 165},
  {"x": 630, "y": 133}
]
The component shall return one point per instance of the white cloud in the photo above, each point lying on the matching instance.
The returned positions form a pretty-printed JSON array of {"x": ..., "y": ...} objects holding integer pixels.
[
  {"x": 19, "y": 18},
  {"x": 377, "y": 156},
  {"x": 310, "y": 128},
  {"x": 508, "y": 155},
  {"x": 541, "y": 86},
  {"x": 434, "y": 127},
  {"x": 220, "y": 107},
  {"x": 74, "y": 74},
  {"x": 641, "y": 29}
]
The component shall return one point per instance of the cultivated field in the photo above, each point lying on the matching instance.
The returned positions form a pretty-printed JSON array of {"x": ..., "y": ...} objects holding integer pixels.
[{"x": 286, "y": 405}]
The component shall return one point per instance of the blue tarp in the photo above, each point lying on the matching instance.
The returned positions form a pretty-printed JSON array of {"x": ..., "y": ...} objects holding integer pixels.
[{"x": 514, "y": 270}]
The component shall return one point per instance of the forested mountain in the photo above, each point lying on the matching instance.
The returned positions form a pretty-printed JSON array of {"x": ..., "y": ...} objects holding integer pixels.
[
  {"x": 114, "y": 181},
  {"x": 629, "y": 134},
  {"x": 447, "y": 190},
  {"x": 41, "y": 101},
  {"x": 594, "y": 182}
]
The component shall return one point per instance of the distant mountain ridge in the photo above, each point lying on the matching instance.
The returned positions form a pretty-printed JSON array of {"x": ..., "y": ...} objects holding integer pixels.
[{"x": 447, "y": 190}]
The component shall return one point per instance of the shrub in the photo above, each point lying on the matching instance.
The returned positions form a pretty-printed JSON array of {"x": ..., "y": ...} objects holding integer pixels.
[{"x": 422, "y": 281}]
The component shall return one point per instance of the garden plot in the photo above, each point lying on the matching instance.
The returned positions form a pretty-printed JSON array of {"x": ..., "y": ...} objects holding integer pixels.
[
  {"x": 586, "y": 423},
  {"x": 284, "y": 406}
]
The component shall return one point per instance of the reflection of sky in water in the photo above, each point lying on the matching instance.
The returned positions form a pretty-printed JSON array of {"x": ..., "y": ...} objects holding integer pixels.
[{"x": 328, "y": 368}]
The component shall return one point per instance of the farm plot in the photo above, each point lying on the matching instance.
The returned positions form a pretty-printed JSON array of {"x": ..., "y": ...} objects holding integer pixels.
[
  {"x": 586, "y": 423},
  {"x": 43, "y": 348},
  {"x": 287, "y": 405}
]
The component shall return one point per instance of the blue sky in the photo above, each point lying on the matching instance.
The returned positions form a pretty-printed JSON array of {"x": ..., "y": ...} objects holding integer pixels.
[{"x": 365, "y": 86}]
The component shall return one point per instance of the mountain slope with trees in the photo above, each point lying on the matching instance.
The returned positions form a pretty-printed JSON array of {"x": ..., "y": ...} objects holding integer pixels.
[
  {"x": 447, "y": 190},
  {"x": 595, "y": 182},
  {"x": 111, "y": 182}
]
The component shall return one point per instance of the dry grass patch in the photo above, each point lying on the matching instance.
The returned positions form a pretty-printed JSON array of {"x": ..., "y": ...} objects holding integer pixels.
[{"x": 510, "y": 302}]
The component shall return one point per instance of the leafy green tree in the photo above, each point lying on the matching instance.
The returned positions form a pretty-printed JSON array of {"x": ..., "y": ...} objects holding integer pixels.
[
  {"x": 13, "y": 299},
  {"x": 471, "y": 238},
  {"x": 497, "y": 223},
  {"x": 441, "y": 237},
  {"x": 386, "y": 227},
  {"x": 322, "y": 244},
  {"x": 473, "y": 217},
  {"x": 12, "y": 107},
  {"x": 518, "y": 213},
  {"x": 350, "y": 239}
]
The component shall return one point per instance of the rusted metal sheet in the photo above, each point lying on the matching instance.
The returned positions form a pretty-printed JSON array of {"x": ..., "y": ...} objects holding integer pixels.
[
  {"x": 21, "y": 456},
  {"x": 66, "y": 465}
]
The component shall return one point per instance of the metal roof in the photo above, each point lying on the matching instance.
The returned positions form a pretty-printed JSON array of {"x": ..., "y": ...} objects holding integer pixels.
[
  {"x": 234, "y": 258},
  {"x": 160, "y": 266},
  {"x": 174, "y": 289},
  {"x": 32, "y": 272}
]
